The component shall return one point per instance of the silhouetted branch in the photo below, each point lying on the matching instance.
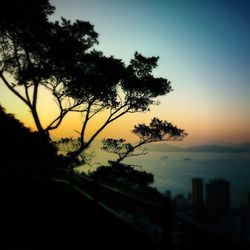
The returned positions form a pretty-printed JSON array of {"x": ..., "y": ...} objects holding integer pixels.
[{"x": 157, "y": 130}]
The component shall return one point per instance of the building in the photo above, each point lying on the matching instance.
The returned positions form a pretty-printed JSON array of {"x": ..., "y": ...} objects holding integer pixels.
[
  {"x": 218, "y": 197},
  {"x": 248, "y": 199},
  {"x": 197, "y": 193}
]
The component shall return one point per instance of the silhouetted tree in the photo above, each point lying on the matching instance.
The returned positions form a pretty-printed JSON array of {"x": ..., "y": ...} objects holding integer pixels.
[
  {"x": 105, "y": 84},
  {"x": 123, "y": 173},
  {"x": 127, "y": 178},
  {"x": 157, "y": 130},
  {"x": 60, "y": 56},
  {"x": 35, "y": 52}
]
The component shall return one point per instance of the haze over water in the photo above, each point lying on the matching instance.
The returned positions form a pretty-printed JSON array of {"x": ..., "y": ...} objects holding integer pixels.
[{"x": 176, "y": 172}]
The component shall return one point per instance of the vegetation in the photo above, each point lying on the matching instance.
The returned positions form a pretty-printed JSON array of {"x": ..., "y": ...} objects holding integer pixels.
[
  {"x": 125, "y": 176},
  {"x": 60, "y": 57},
  {"x": 157, "y": 130},
  {"x": 123, "y": 173},
  {"x": 24, "y": 150},
  {"x": 127, "y": 179}
]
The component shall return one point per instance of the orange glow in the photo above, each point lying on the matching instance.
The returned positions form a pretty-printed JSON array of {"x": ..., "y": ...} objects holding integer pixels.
[{"x": 204, "y": 123}]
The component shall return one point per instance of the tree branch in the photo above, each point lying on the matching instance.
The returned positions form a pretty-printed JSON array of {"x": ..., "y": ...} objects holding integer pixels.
[{"x": 13, "y": 90}]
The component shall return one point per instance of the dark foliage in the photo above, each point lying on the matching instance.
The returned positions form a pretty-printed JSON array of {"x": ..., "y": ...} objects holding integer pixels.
[
  {"x": 156, "y": 131},
  {"x": 123, "y": 173},
  {"x": 23, "y": 150},
  {"x": 23, "y": 155},
  {"x": 128, "y": 179},
  {"x": 60, "y": 56}
]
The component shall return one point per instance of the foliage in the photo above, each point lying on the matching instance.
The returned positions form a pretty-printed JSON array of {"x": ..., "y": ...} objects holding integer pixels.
[
  {"x": 157, "y": 130},
  {"x": 25, "y": 150},
  {"x": 128, "y": 179},
  {"x": 67, "y": 146},
  {"x": 117, "y": 146},
  {"x": 123, "y": 173},
  {"x": 60, "y": 56},
  {"x": 35, "y": 52}
]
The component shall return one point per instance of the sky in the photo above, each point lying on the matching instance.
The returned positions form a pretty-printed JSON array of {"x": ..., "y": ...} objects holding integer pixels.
[{"x": 204, "y": 50}]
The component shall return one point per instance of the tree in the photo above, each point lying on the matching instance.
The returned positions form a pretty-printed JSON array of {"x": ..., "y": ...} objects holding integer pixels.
[
  {"x": 157, "y": 130},
  {"x": 35, "y": 52},
  {"x": 118, "y": 89},
  {"x": 122, "y": 173},
  {"x": 60, "y": 56}
]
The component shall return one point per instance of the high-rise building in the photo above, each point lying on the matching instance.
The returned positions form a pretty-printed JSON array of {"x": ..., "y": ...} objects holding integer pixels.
[
  {"x": 248, "y": 199},
  {"x": 218, "y": 197},
  {"x": 197, "y": 192}
]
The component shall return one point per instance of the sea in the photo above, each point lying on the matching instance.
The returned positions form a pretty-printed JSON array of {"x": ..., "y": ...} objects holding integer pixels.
[{"x": 173, "y": 171}]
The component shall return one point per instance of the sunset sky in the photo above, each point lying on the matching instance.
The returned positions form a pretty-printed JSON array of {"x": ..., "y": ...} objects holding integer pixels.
[{"x": 204, "y": 50}]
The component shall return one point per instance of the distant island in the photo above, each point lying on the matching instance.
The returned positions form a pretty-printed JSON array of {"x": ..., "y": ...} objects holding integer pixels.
[
  {"x": 163, "y": 147},
  {"x": 164, "y": 157}
]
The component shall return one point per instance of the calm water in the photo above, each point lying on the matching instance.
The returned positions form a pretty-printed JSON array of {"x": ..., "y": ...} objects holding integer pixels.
[{"x": 176, "y": 172}]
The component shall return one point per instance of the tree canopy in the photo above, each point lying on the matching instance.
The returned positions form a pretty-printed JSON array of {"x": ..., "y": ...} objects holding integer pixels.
[{"x": 61, "y": 56}]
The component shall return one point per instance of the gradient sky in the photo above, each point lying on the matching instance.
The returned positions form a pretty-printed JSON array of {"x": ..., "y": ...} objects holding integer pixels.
[{"x": 204, "y": 49}]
